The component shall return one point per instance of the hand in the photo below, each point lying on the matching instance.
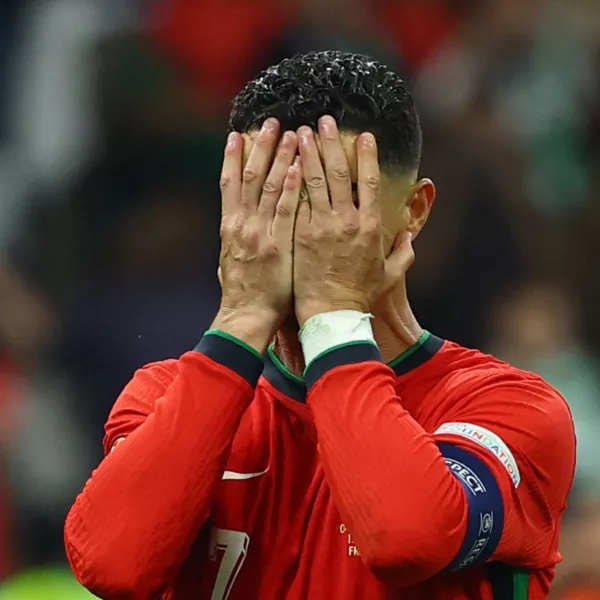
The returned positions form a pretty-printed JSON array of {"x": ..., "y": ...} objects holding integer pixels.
[
  {"x": 339, "y": 261},
  {"x": 259, "y": 209}
]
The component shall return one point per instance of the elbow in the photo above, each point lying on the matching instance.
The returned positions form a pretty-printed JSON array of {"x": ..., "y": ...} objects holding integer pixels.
[
  {"x": 407, "y": 566},
  {"x": 106, "y": 583},
  {"x": 409, "y": 548},
  {"x": 101, "y": 568},
  {"x": 106, "y": 579},
  {"x": 405, "y": 556}
]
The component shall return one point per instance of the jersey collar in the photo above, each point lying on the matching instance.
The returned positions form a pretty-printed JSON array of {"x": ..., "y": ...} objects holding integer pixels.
[{"x": 292, "y": 386}]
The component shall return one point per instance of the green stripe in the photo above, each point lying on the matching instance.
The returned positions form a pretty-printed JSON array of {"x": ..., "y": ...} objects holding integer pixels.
[
  {"x": 235, "y": 340},
  {"x": 426, "y": 335},
  {"x": 520, "y": 584},
  {"x": 279, "y": 364}
]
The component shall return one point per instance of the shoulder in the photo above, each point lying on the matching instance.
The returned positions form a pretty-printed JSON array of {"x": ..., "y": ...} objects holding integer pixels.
[
  {"x": 152, "y": 378},
  {"x": 138, "y": 399},
  {"x": 512, "y": 413},
  {"x": 148, "y": 387},
  {"x": 470, "y": 381}
]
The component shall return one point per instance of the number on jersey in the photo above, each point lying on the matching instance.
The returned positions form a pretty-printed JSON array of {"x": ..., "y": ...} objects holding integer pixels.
[{"x": 233, "y": 545}]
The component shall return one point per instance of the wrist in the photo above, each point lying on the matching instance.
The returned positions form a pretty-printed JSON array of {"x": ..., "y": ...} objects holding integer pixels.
[
  {"x": 328, "y": 331},
  {"x": 308, "y": 310},
  {"x": 254, "y": 327}
]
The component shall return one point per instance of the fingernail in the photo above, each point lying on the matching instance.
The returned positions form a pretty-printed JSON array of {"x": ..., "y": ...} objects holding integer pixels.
[
  {"x": 327, "y": 122},
  {"x": 297, "y": 163},
  {"x": 231, "y": 139},
  {"x": 369, "y": 140},
  {"x": 305, "y": 133},
  {"x": 270, "y": 124},
  {"x": 288, "y": 137}
]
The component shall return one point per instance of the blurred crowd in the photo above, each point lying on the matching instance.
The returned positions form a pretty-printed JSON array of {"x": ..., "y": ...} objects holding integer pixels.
[{"x": 112, "y": 121}]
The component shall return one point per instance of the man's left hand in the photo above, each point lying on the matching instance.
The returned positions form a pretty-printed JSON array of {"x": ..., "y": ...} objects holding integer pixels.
[{"x": 339, "y": 260}]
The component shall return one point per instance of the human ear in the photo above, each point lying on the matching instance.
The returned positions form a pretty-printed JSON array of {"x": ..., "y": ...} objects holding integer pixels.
[{"x": 420, "y": 201}]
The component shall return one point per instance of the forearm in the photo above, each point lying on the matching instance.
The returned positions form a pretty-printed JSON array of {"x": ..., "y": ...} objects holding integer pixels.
[
  {"x": 132, "y": 526},
  {"x": 388, "y": 477}
]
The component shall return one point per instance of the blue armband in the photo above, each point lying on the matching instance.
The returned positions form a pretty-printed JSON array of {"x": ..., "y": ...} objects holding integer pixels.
[{"x": 486, "y": 507}]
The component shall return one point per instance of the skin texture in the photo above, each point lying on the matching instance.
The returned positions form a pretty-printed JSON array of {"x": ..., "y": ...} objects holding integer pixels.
[
  {"x": 395, "y": 192},
  {"x": 259, "y": 204},
  {"x": 351, "y": 246}
]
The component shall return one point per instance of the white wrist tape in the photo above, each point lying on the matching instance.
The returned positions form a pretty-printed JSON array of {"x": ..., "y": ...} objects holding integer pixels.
[{"x": 326, "y": 331}]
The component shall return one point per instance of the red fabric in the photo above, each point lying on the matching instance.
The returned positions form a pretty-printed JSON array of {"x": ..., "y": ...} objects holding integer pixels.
[
  {"x": 581, "y": 593},
  {"x": 419, "y": 28},
  {"x": 137, "y": 518},
  {"x": 355, "y": 469},
  {"x": 7, "y": 382},
  {"x": 7, "y": 376},
  {"x": 220, "y": 43},
  {"x": 398, "y": 453}
]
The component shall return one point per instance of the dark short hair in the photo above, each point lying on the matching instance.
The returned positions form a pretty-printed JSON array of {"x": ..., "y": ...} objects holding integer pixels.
[{"x": 360, "y": 93}]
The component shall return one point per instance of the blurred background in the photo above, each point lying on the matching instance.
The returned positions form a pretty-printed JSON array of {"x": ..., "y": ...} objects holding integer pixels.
[{"x": 112, "y": 121}]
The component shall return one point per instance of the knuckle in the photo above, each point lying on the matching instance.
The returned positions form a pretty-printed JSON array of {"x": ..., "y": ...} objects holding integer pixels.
[
  {"x": 269, "y": 187},
  {"x": 238, "y": 225},
  {"x": 325, "y": 232},
  {"x": 372, "y": 182},
  {"x": 225, "y": 182},
  {"x": 351, "y": 227},
  {"x": 370, "y": 227},
  {"x": 250, "y": 235},
  {"x": 228, "y": 227},
  {"x": 232, "y": 225},
  {"x": 341, "y": 173},
  {"x": 290, "y": 184},
  {"x": 283, "y": 210},
  {"x": 270, "y": 250},
  {"x": 249, "y": 174},
  {"x": 304, "y": 239},
  {"x": 316, "y": 182}
]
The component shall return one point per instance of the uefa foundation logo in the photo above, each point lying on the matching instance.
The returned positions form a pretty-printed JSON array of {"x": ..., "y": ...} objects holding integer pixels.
[{"x": 484, "y": 437}]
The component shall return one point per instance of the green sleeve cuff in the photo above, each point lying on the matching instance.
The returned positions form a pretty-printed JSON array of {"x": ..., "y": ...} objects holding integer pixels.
[
  {"x": 232, "y": 353},
  {"x": 232, "y": 338},
  {"x": 345, "y": 354}
]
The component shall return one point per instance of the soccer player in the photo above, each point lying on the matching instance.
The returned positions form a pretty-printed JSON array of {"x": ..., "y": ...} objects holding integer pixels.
[{"x": 305, "y": 450}]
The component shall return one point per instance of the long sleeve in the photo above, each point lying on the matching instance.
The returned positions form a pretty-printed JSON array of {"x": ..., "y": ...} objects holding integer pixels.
[
  {"x": 489, "y": 484},
  {"x": 132, "y": 526},
  {"x": 388, "y": 477}
]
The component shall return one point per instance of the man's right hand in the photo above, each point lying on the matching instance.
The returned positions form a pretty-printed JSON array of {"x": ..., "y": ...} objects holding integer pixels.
[{"x": 259, "y": 202}]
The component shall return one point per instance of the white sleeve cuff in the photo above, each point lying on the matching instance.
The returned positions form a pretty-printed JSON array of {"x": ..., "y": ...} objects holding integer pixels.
[{"x": 328, "y": 331}]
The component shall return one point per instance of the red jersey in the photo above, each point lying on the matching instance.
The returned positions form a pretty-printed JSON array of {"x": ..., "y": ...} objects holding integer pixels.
[
  {"x": 440, "y": 476},
  {"x": 8, "y": 384}
]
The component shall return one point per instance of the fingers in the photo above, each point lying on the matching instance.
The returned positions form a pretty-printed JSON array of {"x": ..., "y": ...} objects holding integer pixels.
[
  {"x": 257, "y": 167},
  {"x": 368, "y": 175},
  {"x": 286, "y": 209},
  {"x": 336, "y": 166},
  {"x": 313, "y": 173},
  {"x": 399, "y": 261},
  {"x": 231, "y": 174},
  {"x": 303, "y": 224},
  {"x": 273, "y": 185}
]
